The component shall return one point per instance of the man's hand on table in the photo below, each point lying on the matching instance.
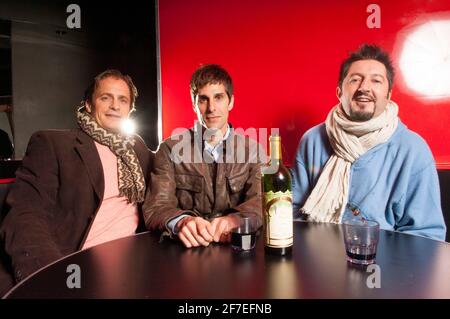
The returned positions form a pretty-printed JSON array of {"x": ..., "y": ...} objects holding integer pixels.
[
  {"x": 222, "y": 227},
  {"x": 196, "y": 231}
]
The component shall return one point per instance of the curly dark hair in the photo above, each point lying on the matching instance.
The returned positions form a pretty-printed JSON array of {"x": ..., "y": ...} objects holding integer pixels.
[{"x": 368, "y": 52}]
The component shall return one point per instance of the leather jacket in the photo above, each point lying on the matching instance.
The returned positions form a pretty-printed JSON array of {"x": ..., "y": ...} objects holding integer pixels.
[{"x": 182, "y": 180}]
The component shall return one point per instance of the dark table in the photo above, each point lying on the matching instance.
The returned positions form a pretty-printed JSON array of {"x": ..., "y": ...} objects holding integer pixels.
[{"x": 141, "y": 267}]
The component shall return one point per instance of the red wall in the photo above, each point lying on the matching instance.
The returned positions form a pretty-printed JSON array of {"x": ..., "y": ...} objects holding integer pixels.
[{"x": 284, "y": 58}]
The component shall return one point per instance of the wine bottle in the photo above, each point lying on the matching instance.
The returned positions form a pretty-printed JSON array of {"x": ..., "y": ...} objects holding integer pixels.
[{"x": 277, "y": 203}]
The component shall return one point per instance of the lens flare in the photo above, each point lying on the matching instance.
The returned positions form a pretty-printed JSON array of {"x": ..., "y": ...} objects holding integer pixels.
[
  {"x": 128, "y": 127},
  {"x": 425, "y": 60}
]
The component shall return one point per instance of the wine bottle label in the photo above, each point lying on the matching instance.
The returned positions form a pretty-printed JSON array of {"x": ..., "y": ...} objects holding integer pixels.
[{"x": 278, "y": 215}]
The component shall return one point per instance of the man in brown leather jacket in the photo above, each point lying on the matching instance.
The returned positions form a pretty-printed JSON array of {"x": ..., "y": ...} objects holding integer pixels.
[
  {"x": 76, "y": 188},
  {"x": 204, "y": 176}
]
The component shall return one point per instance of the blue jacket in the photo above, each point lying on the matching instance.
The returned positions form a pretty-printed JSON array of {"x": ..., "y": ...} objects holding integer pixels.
[{"x": 394, "y": 183}]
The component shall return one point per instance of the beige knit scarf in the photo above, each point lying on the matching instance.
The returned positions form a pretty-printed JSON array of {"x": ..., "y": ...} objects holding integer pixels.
[
  {"x": 349, "y": 140},
  {"x": 130, "y": 174}
]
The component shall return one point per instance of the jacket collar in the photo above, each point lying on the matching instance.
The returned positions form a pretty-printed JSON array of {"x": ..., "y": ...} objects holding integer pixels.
[
  {"x": 89, "y": 155},
  {"x": 199, "y": 129}
]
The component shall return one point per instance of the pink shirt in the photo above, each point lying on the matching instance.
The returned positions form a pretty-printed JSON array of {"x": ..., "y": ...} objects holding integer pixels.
[{"x": 116, "y": 217}]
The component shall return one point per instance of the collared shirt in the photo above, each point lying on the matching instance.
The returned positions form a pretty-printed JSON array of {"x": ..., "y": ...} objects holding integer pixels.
[{"x": 216, "y": 151}]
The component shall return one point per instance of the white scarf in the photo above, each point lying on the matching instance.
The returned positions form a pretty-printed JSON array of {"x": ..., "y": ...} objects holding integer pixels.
[{"x": 349, "y": 140}]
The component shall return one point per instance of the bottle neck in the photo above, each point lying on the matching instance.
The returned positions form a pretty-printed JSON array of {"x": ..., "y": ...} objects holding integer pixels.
[{"x": 275, "y": 151}]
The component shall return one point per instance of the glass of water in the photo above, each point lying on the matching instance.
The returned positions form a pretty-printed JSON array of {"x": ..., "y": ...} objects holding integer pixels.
[{"x": 361, "y": 240}]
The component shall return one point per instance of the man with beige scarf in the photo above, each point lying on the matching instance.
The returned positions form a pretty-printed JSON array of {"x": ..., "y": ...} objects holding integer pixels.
[{"x": 364, "y": 161}]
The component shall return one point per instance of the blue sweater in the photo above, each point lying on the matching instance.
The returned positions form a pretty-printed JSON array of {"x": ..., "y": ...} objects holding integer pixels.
[{"x": 394, "y": 183}]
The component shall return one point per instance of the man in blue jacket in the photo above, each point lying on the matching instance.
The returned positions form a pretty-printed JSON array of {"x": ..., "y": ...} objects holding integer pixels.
[{"x": 364, "y": 161}]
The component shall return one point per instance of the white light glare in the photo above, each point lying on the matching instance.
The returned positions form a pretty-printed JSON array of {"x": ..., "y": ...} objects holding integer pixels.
[
  {"x": 425, "y": 59},
  {"x": 128, "y": 127}
]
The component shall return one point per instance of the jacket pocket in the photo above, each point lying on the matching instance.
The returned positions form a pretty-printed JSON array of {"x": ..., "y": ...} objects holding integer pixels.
[
  {"x": 236, "y": 183},
  {"x": 236, "y": 189},
  {"x": 189, "y": 190}
]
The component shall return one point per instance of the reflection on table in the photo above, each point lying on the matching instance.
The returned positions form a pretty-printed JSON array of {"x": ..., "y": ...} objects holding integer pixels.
[{"x": 142, "y": 267}]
